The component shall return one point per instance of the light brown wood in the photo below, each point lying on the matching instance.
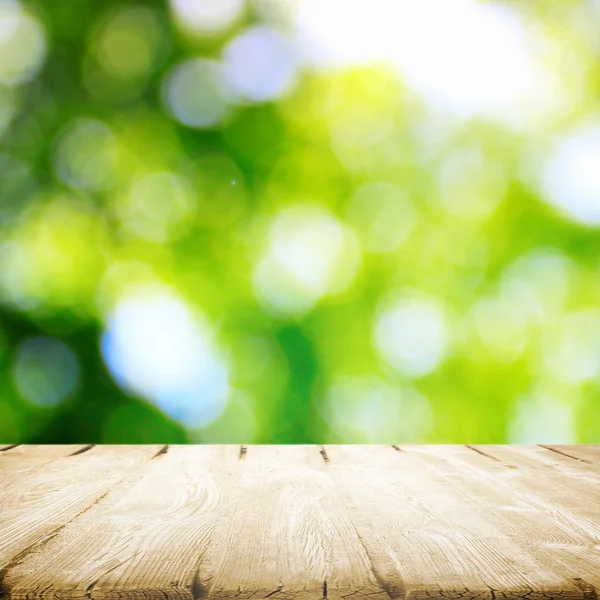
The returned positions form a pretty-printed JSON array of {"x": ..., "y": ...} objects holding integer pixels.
[
  {"x": 299, "y": 522},
  {"x": 20, "y": 460},
  {"x": 35, "y": 503},
  {"x": 589, "y": 454},
  {"x": 534, "y": 507}
]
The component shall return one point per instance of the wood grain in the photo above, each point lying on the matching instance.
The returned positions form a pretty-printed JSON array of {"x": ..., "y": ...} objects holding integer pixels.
[
  {"x": 533, "y": 507},
  {"x": 37, "y": 504},
  {"x": 19, "y": 460},
  {"x": 299, "y": 522},
  {"x": 432, "y": 533}
]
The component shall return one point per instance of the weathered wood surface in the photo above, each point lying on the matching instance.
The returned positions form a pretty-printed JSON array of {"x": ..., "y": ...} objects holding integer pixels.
[{"x": 299, "y": 522}]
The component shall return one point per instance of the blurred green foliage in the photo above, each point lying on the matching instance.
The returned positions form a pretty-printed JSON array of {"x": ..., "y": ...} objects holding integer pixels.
[{"x": 217, "y": 243}]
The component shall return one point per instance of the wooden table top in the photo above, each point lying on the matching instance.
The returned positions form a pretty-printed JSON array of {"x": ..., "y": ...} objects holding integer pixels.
[{"x": 299, "y": 522}]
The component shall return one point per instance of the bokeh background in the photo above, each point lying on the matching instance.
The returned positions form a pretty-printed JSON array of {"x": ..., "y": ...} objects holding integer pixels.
[{"x": 299, "y": 221}]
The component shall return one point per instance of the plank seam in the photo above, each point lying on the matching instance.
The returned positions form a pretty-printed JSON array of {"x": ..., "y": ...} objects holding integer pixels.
[
  {"x": 82, "y": 450},
  {"x": 324, "y": 455},
  {"x": 383, "y": 584},
  {"x": 37, "y": 545},
  {"x": 5, "y": 592},
  {"x": 565, "y": 454},
  {"x": 161, "y": 452},
  {"x": 490, "y": 456},
  {"x": 7, "y": 448}
]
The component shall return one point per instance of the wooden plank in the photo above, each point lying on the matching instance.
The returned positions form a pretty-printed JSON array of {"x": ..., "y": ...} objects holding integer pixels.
[
  {"x": 546, "y": 487},
  {"x": 34, "y": 509},
  {"x": 224, "y": 523},
  {"x": 415, "y": 525},
  {"x": 533, "y": 508},
  {"x": 289, "y": 536},
  {"x": 147, "y": 535}
]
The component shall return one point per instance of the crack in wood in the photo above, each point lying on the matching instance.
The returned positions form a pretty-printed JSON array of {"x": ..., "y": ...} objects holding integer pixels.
[
  {"x": 325, "y": 589},
  {"x": 397, "y": 448},
  {"x": 162, "y": 451},
  {"x": 564, "y": 453},
  {"x": 490, "y": 456},
  {"x": 82, "y": 450},
  {"x": 90, "y": 588},
  {"x": 5, "y": 591},
  {"x": 589, "y": 591},
  {"x": 275, "y": 591},
  {"x": 324, "y": 455},
  {"x": 392, "y": 590},
  {"x": 199, "y": 591},
  {"x": 7, "y": 448},
  {"x": 243, "y": 452}
]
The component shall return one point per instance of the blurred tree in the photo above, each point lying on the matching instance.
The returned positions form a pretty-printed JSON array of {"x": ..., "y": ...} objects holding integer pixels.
[{"x": 299, "y": 222}]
